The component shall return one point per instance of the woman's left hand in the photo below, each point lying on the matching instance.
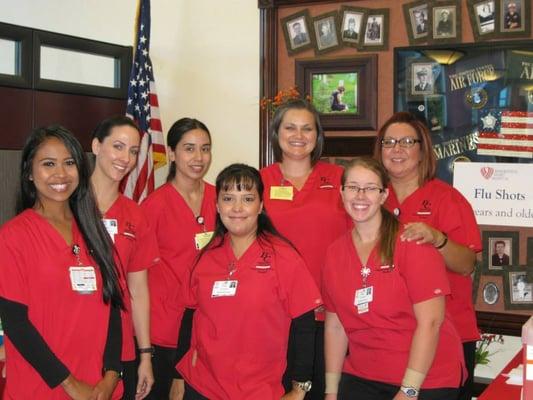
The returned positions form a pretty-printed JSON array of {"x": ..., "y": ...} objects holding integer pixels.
[
  {"x": 422, "y": 233},
  {"x": 105, "y": 388},
  {"x": 294, "y": 394},
  {"x": 145, "y": 378}
]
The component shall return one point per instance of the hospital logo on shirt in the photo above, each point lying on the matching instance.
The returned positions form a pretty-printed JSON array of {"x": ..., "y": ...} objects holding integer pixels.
[
  {"x": 325, "y": 183},
  {"x": 425, "y": 209}
]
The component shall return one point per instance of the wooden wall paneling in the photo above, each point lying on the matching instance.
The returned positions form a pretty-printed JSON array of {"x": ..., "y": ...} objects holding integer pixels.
[
  {"x": 9, "y": 180},
  {"x": 79, "y": 114},
  {"x": 16, "y": 113}
]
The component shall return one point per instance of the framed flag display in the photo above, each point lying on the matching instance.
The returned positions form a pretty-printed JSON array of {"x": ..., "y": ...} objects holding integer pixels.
[{"x": 480, "y": 106}]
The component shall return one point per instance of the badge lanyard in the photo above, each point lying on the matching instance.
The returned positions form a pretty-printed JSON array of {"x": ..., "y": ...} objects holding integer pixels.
[
  {"x": 201, "y": 239},
  {"x": 364, "y": 296},
  {"x": 82, "y": 277},
  {"x": 227, "y": 287}
]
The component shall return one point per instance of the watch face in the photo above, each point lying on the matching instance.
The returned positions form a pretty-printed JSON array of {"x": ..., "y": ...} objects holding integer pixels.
[
  {"x": 410, "y": 392},
  {"x": 307, "y": 386}
]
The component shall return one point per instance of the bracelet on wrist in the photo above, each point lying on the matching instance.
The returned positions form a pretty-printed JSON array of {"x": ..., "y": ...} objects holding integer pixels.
[
  {"x": 444, "y": 242},
  {"x": 147, "y": 350}
]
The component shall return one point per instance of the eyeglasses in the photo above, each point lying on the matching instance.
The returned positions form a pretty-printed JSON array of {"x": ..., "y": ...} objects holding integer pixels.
[
  {"x": 369, "y": 190},
  {"x": 403, "y": 142}
]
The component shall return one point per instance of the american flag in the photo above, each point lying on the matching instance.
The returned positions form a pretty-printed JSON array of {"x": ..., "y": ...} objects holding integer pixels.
[
  {"x": 143, "y": 107},
  {"x": 514, "y": 138}
]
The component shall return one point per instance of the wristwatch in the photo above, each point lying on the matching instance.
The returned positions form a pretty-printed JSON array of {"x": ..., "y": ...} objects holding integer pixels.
[
  {"x": 305, "y": 386},
  {"x": 144, "y": 350},
  {"x": 410, "y": 391}
]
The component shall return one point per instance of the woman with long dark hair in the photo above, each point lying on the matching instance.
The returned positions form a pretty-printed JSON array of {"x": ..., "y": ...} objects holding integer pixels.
[
  {"x": 182, "y": 213},
  {"x": 435, "y": 213},
  {"x": 247, "y": 286},
  {"x": 387, "y": 335},
  {"x": 60, "y": 296},
  {"x": 115, "y": 145},
  {"x": 302, "y": 196}
]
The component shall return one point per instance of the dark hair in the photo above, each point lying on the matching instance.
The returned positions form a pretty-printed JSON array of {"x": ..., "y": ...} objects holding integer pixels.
[
  {"x": 428, "y": 163},
  {"x": 104, "y": 128},
  {"x": 296, "y": 104},
  {"x": 176, "y": 132},
  {"x": 389, "y": 224},
  {"x": 81, "y": 202},
  {"x": 497, "y": 242}
]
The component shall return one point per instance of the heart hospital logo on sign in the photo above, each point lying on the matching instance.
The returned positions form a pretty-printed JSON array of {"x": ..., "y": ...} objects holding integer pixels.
[{"x": 487, "y": 172}]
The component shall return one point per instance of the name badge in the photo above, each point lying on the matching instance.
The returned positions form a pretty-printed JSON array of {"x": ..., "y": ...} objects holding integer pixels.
[
  {"x": 201, "y": 239},
  {"x": 83, "y": 279},
  {"x": 363, "y": 297},
  {"x": 111, "y": 226},
  {"x": 224, "y": 288},
  {"x": 281, "y": 193}
]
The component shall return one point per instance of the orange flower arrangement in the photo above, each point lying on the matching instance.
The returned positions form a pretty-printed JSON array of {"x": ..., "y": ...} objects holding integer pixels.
[{"x": 281, "y": 98}]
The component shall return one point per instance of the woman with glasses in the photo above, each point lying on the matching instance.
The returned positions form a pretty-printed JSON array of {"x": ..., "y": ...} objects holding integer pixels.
[
  {"x": 434, "y": 213},
  {"x": 302, "y": 197},
  {"x": 386, "y": 332}
]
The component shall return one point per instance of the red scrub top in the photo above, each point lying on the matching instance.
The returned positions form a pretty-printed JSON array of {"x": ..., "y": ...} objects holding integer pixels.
[
  {"x": 444, "y": 208},
  {"x": 137, "y": 250},
  {"x": 241, "y": 340},
  {"x": 314, "y": 218},
  {"x": 34, "y": 271},
  {"x": 380, "y": 339},
  {"x": 175, "y": 227}
]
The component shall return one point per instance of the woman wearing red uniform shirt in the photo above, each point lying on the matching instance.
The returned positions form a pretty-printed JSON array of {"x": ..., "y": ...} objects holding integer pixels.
[
  {"x": 60, "y": 297},
  {"x": 182, "y": 212},
  {"x": 302, "y": 197},
  {"x": 434, "y": 213},
  {"x": 247, "y": 287},
  {"x": 384, "y": 306},
  {"x": 116, "y": 145}
]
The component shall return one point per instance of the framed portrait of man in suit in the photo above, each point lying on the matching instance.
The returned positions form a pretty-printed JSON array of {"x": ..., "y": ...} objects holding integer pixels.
[
  {"x": 298, "y": 32},
  {"x": 352, "y": 27},
  {"x": 417, "y": 21},
  {"x": 422, "y": 81},
  {"x": 500, "y": 251}
]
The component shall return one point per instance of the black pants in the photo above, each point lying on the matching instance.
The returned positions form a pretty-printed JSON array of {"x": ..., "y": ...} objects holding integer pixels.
[
  {"x": 163, "y": 364},
  {"x": 466, "y": 391},
  {"x": 352, "y": 387},
  {"x": 319, "y": 385},
  {"x": 191, "y": 394},
  {"x": 129, "y": 379}
]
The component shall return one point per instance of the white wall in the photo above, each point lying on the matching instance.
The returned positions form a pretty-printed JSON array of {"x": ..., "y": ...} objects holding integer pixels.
[{"x": 205, "y": 55}]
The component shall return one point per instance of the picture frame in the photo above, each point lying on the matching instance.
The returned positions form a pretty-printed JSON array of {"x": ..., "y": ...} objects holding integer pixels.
[
  {"x": 416, "y": 19},
  {"x": 376, "y": 25},
  {"x": 435, "y": 112},
  {"x": 482, "y": 299},
  {"x": 529, "y": 258},
  {"x": 326, "y": 32},
  {"x": 518, "y": 290},
  {"x": 298, "y": 32},
  {"x": 352, "y": 23},
  {"x": 422, "y": 79},
  {"x": 482, "y": 14},
  {"x": 500, "y": 251},
  {"x": 320, "y": 79},
  {"x": 508, "y": 26},
  {"x": 490, "y": 293},
  {"x": 445, "y": 22}
]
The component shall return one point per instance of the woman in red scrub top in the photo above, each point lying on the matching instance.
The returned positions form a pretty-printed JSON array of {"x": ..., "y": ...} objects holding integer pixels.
[
  {"x": 116, "y": 145},
  {"x": 302, "y": 196},
  {"x": 247, "y": 287},
  {"x": 386, "y": 332},
  {"x": 434, "y": 213},
  {"x": 182, "y": 212},
  {"x": 60, "y": 296}
]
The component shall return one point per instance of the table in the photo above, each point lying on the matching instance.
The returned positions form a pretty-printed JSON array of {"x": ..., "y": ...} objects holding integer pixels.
[{"x": 498, "y": 389}]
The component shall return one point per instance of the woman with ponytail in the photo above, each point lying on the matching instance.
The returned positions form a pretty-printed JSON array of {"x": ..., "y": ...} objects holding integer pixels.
[
  {"x": 182, "y": 213},
  {"x": 387, "y": 335},
  {"x": 60, "y": 296}
]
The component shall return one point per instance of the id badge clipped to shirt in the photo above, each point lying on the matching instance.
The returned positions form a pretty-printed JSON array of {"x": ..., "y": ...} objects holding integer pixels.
[
  {"x": 83, "y": 279},
  {"x": 363, "y": 298},
  {"x": 201, "y": 239},
  {"x": 281, "y": 193},
  {"x": 111, "y": 225},
  {"x": 225, "y": 288}
]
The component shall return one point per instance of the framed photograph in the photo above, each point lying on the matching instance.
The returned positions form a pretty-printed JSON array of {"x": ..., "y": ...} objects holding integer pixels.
[
  {"x": 513, "y": 18},
  {"x": 352, "y": 25},
  {"x": 298, "y": 32},
  {"x": 435, "y": 112},
  {"x": 518, "y": 291},
  {"x": 500, "y": 251},
  {"x": 416, "y": 21},
  {"x": 376, "y": 25},
  {"x": 491, "y": 293},
  {"x": 422, "y": 80},
  {"x": 326, "y": 30},
  {"x": 482, "y": 15},
  {"x": 446, "y": 22},
  {"x": 342, "y": 90}
]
